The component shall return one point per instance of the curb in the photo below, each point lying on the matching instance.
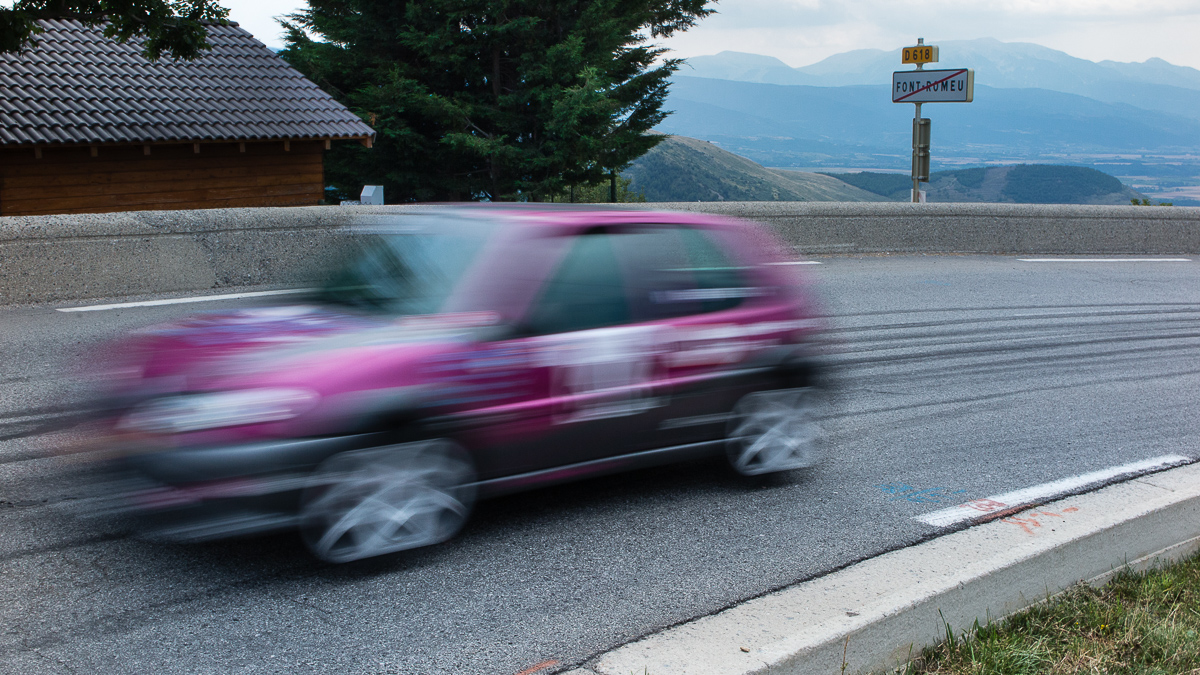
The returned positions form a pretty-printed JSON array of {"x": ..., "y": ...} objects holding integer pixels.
[{"x": 873, "y": 615}]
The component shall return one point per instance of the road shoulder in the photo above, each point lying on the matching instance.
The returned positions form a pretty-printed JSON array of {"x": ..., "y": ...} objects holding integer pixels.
[{"x": 875, "y": 614}]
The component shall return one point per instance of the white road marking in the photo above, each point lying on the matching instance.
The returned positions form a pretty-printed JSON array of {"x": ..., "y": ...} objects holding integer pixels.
[
  {"x": 180, "y": 301},
  {"x": 797, "y": 262},
  {"x": 1087, "y": 260},
  {"x": 1044, "y": 492}
]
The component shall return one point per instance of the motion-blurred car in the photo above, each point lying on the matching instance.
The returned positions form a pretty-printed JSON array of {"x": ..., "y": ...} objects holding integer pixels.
[{"x": 467, "y": 353}]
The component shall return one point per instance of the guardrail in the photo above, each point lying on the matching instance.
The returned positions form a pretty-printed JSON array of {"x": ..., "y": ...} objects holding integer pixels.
[{"x": 72, "y": 257}]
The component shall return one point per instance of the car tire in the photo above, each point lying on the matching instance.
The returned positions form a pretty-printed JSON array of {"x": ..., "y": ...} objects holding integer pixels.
[
  {"x": 774, "y": 430},
  {"x": 365, "y": 503}
]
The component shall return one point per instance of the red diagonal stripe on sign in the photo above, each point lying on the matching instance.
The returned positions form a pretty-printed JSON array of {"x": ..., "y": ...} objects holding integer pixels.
[{"x": 933, "y": 84}]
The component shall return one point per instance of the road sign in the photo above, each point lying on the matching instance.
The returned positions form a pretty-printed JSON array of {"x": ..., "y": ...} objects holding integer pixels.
[
  {"x": 919, "y": 54},
  {"x": 933, "y": 86}
]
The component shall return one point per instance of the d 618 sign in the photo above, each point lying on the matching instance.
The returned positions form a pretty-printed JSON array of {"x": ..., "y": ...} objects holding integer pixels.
[{"x": 920, "y": 54}]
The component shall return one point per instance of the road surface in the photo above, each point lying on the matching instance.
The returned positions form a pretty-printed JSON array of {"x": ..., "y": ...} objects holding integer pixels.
[{"x": 957, "y": 378}]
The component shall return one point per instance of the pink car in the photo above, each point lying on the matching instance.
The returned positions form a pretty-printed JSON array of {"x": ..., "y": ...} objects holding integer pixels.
[{"x": 466, "y": 353}]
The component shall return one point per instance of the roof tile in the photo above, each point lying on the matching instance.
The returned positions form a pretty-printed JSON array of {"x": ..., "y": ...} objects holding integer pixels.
[{"x": 76, "y": 86}]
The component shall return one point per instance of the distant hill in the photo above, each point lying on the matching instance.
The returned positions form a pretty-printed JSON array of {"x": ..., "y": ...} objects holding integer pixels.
[
  {"x": 688, "y": 170},
  {"x": 1020, "y": 184}
]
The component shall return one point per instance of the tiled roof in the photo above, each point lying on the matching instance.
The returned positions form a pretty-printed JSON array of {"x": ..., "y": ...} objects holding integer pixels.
[{"x": 76, "y": 86}]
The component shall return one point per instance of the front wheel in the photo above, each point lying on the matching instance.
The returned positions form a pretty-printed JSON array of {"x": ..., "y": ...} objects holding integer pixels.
[
  {"x": 776, "y": 430},
  {"x": 366, "y": 503}
]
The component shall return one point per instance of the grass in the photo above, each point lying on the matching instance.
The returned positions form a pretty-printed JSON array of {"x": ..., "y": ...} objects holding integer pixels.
[{"x": 1138, "y": 623}]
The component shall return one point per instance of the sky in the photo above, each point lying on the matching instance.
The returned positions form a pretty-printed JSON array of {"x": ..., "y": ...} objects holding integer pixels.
[{"x": 801, "y": 32}]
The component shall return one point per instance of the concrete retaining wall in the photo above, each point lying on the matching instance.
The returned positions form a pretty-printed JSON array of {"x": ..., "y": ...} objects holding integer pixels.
[{"x": 73, "y": 257}]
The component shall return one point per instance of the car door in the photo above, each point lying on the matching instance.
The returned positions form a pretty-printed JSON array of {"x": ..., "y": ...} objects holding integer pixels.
[
  {"x": 703, "y": 301},
  {"x": 595, "y": 362}
]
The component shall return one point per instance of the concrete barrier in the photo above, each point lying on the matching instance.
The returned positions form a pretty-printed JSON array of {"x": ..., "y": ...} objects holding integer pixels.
[
  {"x": 73, "y": 257},
  {"x": 856, "y": 227}
]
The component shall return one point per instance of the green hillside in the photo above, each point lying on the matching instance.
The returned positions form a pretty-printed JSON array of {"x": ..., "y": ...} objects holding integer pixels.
[
  {"x": 682, "y": 169},
  {"x": 1019, "y": 184}
]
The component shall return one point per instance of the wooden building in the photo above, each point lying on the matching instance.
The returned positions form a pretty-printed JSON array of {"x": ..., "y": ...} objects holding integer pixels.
[{"x": 88, "y": 125}]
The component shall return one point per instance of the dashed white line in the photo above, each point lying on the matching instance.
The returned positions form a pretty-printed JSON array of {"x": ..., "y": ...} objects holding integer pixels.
[
  {"x": 180, "y": 301},
  {"x": 1044, "y": 492},
  {"x": 1104, "y": 260}
]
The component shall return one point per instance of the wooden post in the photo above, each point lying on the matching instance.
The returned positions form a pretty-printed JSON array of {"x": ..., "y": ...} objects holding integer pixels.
[
  {"x": 287, "y": 146},
  {"x": 95, "y": 150},
  {"x": 145, "y": 149},
  {"x": 241, "y": 147},
  {"x": 196, "y": 148},
  {"x": 37, "y": 153}
]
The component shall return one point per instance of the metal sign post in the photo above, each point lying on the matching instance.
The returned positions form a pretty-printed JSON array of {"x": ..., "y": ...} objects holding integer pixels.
[
  {"x": 926, "y": 57},
  {"x": 927, "y": 86}
]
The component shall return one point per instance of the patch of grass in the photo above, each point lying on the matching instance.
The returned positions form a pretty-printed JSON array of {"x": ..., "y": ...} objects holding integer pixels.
[{"x": 1137, "y": 624}]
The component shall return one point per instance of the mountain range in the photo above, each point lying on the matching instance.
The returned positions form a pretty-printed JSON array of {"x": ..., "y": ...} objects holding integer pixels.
[
  {"x": 1151, "y": 85},
  {"x": 1020, "y": 122}
]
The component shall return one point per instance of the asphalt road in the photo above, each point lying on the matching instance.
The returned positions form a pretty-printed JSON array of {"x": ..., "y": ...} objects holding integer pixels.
[{"x": 957, "y": 378}]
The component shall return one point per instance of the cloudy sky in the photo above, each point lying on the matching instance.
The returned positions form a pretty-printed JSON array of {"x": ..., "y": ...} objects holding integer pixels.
[{"x": 801, "y": 32}]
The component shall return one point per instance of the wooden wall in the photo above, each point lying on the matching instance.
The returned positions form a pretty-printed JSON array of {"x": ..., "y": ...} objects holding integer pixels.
[{"x": 124, "y": 178}]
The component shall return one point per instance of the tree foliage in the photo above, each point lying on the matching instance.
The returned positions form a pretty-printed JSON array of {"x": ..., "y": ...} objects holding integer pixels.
[
  {"x": 1051, "y": 184},
  {"x": 175, "y": 27},
  {"x": 495, "y": 99}
]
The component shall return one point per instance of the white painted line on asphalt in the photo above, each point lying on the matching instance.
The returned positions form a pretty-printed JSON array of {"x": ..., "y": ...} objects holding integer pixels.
[
  {"x": 797, "y": 262},
  {"x": 1041, "y": 493},
  {"x": 1102, "y": 260},
  {"x": 180, "y": 301}
]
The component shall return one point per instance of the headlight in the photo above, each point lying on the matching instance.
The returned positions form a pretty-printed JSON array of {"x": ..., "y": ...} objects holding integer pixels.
[{"x": 194, "y": 412}]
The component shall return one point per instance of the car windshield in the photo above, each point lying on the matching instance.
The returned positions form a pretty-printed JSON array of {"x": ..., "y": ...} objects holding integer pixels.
[{"x": 408, "y": 270}]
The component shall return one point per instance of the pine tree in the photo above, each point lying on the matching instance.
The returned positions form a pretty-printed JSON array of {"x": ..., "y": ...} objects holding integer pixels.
[{"x": 490, "y": 99}]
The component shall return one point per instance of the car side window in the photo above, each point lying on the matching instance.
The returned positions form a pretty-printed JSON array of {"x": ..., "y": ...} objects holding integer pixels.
[
  {"x": 660, "y": 276},
  {"x": 586, "y": 291},
  {"x": 720, "y": 284}
]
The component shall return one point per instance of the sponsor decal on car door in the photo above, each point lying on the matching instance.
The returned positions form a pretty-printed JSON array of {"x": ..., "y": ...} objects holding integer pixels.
[{"x": 600, "y": 373}]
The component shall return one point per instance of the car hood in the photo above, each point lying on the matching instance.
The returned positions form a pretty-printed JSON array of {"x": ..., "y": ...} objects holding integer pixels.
[{"x": 264, "y": 346}]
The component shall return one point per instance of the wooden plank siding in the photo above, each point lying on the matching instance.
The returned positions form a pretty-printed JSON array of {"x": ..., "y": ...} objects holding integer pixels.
[{"x": 174, "y": 176}]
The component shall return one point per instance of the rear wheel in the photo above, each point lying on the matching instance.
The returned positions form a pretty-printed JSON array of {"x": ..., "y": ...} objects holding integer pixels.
[
  {"x": 776, "y": 430},
  {"x": 366, "y": 503}
]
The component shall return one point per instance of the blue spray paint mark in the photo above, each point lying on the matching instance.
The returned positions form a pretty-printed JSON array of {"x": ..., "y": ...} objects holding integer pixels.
[{"x": 935, "y": 495}]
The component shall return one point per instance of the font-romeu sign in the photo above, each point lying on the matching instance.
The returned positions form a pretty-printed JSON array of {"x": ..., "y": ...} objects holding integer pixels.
[{"x": 933, "y": 86}]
